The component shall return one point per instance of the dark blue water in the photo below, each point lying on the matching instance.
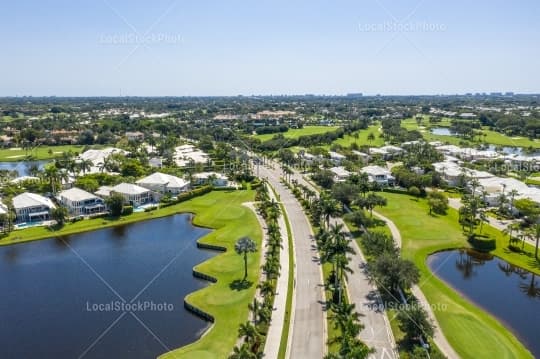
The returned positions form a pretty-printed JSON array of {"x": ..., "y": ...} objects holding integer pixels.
[
  {"x": 54, "y": 294},
  {"x": 509, "y": 293},
  {"x": 22, "y": 167}
]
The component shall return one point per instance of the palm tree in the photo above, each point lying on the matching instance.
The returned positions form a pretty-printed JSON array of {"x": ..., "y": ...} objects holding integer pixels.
[
  {"x": 249, "y": 332},
  {"x": 85, "y": 165},
  {"x": 273, "y": 211},
  {"x": 244, "y": 246},
  {"x": 534, "y": 232},
  {"x": 266, "y": 288},
  {"x": 255, "y": 307},
  {"x": 242, "y": 352},
  {"x": 329, "y": 207},
  {"x": 51, "y": 174},
  {"x": 513, "y": 194}
]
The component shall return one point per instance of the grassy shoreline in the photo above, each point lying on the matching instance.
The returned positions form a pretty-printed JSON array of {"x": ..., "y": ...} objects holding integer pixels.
[
  {"x": 470, "y": 330},
  {"x": 224, "y": 212}
]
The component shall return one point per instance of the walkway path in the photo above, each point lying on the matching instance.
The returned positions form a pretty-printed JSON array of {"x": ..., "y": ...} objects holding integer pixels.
[
  {"x": 438, "y": 338},
  {"x": 308, "y": 323}
]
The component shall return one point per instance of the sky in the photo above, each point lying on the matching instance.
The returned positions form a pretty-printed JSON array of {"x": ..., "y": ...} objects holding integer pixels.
[{"x": 268, "y": 47}]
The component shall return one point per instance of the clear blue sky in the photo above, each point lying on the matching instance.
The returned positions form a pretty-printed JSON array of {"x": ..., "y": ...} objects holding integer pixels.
[{"x": 230, "y": 47}]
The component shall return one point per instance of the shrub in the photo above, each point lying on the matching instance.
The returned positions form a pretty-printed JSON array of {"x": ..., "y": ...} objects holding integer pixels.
[{"x": 127, "y": 210}]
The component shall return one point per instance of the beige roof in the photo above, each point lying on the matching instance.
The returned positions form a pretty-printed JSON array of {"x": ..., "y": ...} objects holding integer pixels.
[{"x": 163, "y": 179}]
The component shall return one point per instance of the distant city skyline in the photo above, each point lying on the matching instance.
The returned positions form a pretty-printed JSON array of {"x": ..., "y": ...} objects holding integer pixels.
[{"x": 211, "y": 48}]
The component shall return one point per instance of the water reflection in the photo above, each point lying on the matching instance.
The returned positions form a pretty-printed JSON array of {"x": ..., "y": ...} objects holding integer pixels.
[
  {"x": 510, "y": 293},
  {"x": 47, "y": 287}
]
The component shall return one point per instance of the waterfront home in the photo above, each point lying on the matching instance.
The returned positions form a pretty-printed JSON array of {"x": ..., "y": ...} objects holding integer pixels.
[
  {"x": 164, "y": 183},
  {"x": 378, "y": 174},
  {"x": 133, "y": 195},
  {"x": 31, "y": 207},
  {"x": 217, "y": 179},
  {"x": 79, "y": 202}
]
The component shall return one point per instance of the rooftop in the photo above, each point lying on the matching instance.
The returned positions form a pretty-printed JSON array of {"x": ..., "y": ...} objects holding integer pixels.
[{"x": 28, "y": 199}]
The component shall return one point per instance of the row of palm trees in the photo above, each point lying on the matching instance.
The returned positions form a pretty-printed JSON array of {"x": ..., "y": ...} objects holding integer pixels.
[
  {"x": 253, "y": 332},
  {"x": 334, "y": 247}
]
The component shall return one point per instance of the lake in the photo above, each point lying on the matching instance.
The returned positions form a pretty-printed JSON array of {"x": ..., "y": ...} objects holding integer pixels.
[
  {"x": 442, "y": 131},
  {"x": 509, "y": 293},
  {"x": 22, "y": 167},
  {"x": 63, "y": 298}
]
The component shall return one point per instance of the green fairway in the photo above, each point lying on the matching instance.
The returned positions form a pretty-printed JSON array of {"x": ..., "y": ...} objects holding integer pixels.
[
  {"x": 295, "y": 133},
  {"x": 39, "y": 153},
  {"x": 223, "y": 211},
  {"x": 362, "y": 139},
  {"x": 471, "y": 331},
  {"x": 492, "y": 137}
]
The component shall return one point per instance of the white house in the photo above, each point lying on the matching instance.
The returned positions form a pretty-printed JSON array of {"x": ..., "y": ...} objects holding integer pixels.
[
  {"x": 31, "y": 207},
  {"x": 133, "y": 194},
  {"x": 98, "y": 157},
  {"x": 219, "y": 180},
  {"x": 364, "y": 157},
  {"x": 340, "y": 174},
  {"x": 164, "y": 183},
  {"x": 378, "y": 174},
  {"x": 79, "y": 202},
  {"x": 308, "y": 157},
  {"x": 336, "y": 158}
]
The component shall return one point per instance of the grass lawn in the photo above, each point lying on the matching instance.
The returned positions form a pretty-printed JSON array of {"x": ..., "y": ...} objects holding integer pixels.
[
  {"x": 362, "y": 139},
  {"x": 222, "y": 211},
  {"x": 492, "y": 137},
  {"x": 295, "y": 133},
  {"x": 471, "y": 331},
  {"x": 40, "y": 153}
]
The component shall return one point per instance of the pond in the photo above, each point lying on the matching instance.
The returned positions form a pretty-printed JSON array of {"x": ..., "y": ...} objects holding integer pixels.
[
  {"x": 509, "y": 293},
  {"x": 22, "y": 167},
  {"x": 442, "y": 131},
  {"x": 64, "y": 297}
]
